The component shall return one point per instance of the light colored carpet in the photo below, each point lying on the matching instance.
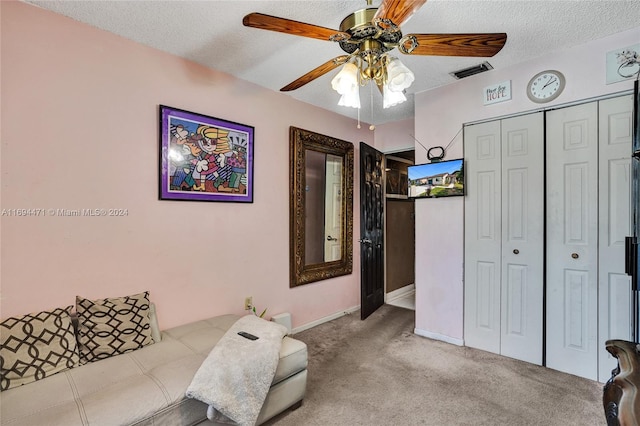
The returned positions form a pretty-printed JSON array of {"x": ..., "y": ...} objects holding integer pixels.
[{"x": 377, "y": 372}]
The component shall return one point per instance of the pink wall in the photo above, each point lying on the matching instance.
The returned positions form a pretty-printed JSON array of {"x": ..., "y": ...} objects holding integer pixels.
[
  {"x": 395, "y": 136},
  {"x": 440, "y": 114},
  {"x": 80, "y": 130}
]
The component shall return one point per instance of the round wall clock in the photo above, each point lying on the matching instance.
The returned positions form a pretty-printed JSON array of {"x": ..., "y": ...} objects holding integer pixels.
[{"x": 545, "y": 86}]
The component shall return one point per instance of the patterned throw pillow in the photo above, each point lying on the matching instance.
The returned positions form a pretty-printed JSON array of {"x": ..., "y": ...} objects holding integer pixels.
[
  {"x": 108, "y": 327},
  {"x": 35, "y": 346}
]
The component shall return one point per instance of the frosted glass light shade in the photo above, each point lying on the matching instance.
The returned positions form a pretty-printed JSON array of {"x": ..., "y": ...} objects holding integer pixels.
[
  {"x": 350, "y": 99},
  {"x": 390, "y": 98},
  {"x": 346, "y": 84},
  {"x": 399, "y": 77}
]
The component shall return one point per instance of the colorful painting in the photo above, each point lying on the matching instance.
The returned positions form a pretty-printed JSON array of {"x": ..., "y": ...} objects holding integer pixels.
[{"x": 204, "y": 158}]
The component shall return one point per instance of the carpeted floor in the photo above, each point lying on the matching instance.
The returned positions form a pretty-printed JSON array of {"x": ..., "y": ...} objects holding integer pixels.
[{"x": 377, "y": 372}]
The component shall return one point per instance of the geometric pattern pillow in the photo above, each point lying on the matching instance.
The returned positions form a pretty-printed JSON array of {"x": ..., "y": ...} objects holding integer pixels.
[
  {"x": 35, "y": 346},
  {"x": 109, "y": 327}
]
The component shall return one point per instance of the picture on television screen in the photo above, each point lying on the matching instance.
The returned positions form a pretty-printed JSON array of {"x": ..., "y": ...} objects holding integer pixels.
[{"x": 438, "y": 179}]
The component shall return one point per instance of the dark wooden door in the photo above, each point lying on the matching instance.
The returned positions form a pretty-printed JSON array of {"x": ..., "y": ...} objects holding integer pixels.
[{"x": 371, "y": 230}]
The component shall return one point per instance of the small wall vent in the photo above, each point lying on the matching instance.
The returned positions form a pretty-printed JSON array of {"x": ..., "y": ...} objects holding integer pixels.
[{"x": 476, "y": 69}]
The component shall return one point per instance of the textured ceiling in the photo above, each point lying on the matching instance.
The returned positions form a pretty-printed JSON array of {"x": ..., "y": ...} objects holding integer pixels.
[{"x": 211, "y": 33}]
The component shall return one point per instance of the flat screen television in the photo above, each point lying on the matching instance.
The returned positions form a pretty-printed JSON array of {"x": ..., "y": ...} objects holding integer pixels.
[{"x": 437, "y": 179}]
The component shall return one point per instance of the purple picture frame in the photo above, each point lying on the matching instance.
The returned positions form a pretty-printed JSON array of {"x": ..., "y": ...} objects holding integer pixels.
[{"x": 204, "y": 158}]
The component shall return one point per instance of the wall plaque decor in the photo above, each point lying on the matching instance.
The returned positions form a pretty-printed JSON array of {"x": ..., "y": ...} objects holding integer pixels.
[
  {"x": 623, "y": 64},
  {"x": 495, "y": 93}
]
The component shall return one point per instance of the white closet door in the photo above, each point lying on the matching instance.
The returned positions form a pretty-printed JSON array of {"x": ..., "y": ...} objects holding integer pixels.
[
  {"x": 483, "y": 237},
  {"x": 572, "y": 240},
  {"x": 614, "y": 293},
  {"x": 522, "y": 237}
]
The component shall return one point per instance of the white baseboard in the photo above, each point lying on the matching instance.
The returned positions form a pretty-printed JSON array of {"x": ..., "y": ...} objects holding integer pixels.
[
  {"x": 401, "y": 292},
  {"x": 331, "y": 317},
  {"x": 441, "y": 337}
]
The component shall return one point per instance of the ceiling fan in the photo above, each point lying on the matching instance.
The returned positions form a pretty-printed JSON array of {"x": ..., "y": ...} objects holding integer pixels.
[{"x": 367, "y": 36}]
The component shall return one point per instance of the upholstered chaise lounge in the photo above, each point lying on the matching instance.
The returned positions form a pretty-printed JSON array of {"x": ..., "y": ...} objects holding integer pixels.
[{"x": 146, "y": 386}]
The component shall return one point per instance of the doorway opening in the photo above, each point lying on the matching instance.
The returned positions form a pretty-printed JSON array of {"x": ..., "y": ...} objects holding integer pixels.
[{"x": 400, "y": 232}]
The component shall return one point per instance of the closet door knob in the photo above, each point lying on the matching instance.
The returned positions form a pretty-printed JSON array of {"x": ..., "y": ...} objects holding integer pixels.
[
  {"x": 575, "y": 255},
  {"x": 516, "y": 251}
]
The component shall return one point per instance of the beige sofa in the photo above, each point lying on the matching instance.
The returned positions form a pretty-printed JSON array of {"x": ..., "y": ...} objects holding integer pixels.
[{"x": 146, "y": 386}]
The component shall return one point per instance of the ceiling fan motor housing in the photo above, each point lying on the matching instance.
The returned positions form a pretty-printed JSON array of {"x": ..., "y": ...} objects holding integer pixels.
[{"x": 359, "y": 25}]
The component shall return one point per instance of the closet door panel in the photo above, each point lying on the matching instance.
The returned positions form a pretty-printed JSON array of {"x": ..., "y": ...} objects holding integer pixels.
[
  {"x": 522, "y": 237},
  {"x": 482, "y": 236},
  {"x": 614, "y": 292},
  {"x": 572, "y": 239}
]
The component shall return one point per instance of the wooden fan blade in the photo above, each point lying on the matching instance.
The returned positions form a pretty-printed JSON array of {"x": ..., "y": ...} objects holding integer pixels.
[
  {"x": 288, "y": 26},
  {"x": 398, "y": 11},
  {"x": 484, "y": 45},
  {"x": 315, "y": 73}
]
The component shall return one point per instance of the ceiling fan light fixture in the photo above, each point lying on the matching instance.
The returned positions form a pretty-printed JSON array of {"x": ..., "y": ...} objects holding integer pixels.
[
  {"x": 367, "y": 36},
  {"x": 399, "y": 77},
  {"x": 346, "y": 84},
  {"x": 391, "y": 98},
  {"x": 351, "y": 100}
]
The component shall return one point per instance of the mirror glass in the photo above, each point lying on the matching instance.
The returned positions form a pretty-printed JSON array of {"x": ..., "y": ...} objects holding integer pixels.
[
  {"x": 321, "y": 198},
  {"x": 323, "y": 202}
]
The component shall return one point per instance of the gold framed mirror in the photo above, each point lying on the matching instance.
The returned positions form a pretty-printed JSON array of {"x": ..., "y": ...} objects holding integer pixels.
[{"x": 321, "y": 207}]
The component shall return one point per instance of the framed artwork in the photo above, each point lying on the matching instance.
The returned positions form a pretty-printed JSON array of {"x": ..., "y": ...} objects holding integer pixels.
[
  {"x": 204, "y": 158},
  {"x": 623, "y": 64}
]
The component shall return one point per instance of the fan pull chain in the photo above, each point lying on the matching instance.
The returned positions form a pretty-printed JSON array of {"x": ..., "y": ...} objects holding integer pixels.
[
  {"x": 358, "y": 79},
  {"x": 371, "y": 127}
]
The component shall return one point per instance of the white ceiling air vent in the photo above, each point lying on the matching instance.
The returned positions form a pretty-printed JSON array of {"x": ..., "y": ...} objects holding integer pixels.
[{"x": 476, "y": 69}]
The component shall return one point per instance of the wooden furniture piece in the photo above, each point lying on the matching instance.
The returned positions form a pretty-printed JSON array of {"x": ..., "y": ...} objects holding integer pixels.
[{"x": 621, "y": 395}]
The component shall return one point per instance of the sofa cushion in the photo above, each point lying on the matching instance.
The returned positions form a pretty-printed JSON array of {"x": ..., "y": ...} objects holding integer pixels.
[
  {"x": 108, "y": 327},
  {"x": 35, "y": 346},
  {"x": 156, "y": 334}
]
